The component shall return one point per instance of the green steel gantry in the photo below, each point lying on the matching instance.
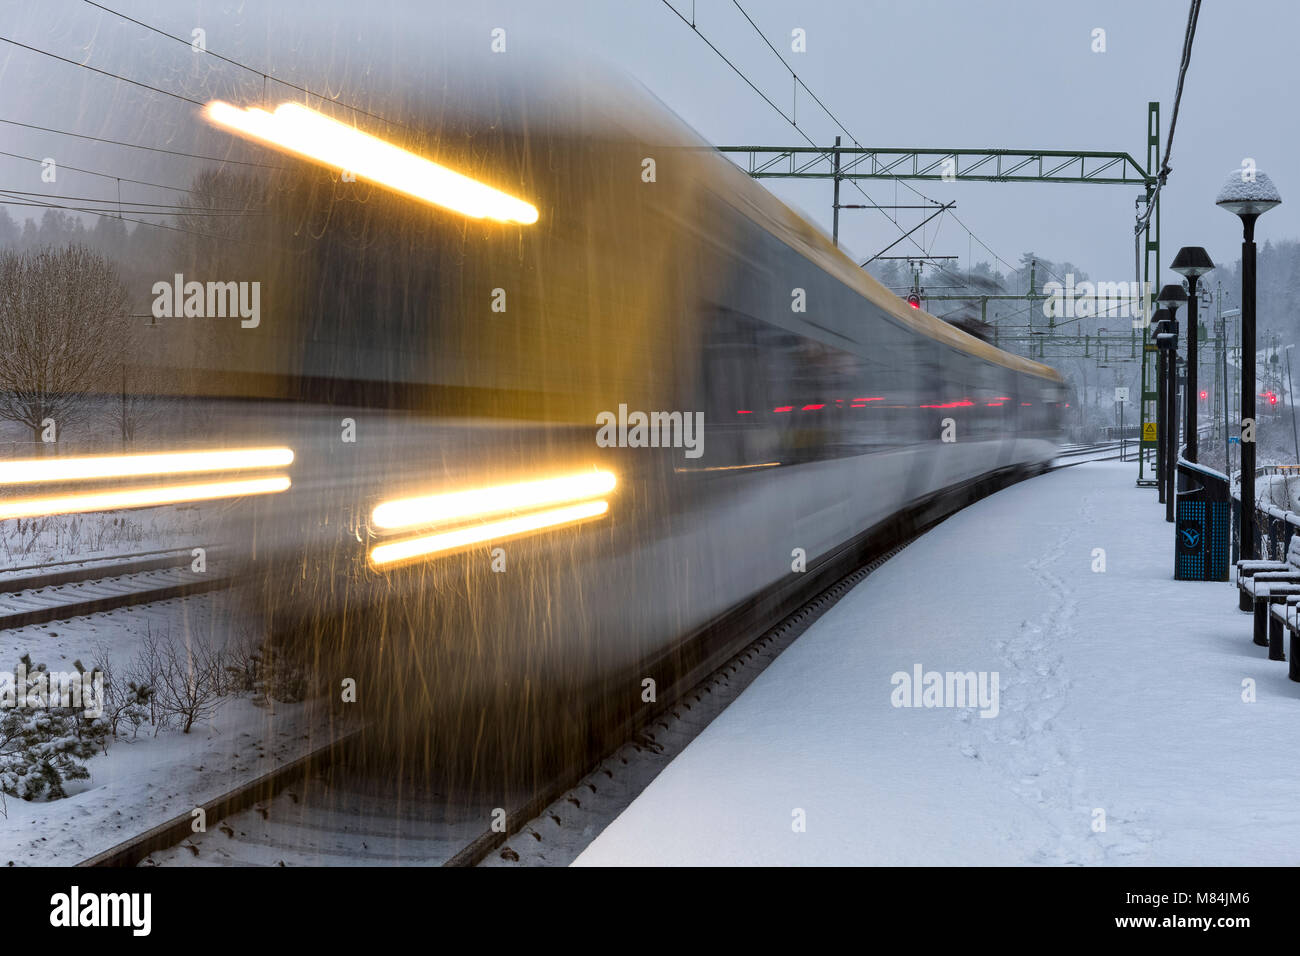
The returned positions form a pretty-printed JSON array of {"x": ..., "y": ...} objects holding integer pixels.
[
  {"x": 943, "y": 165},
  {"x": 1100, "y": 167}
]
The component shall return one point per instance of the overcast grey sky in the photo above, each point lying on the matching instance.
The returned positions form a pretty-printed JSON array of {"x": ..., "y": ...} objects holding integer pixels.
[
  {"x": 934, "y": 73},
  {"x": 996, "y": 74}
]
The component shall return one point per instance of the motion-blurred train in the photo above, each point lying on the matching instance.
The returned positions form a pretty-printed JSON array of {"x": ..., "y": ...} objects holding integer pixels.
[{"x": 433, "y": 352}]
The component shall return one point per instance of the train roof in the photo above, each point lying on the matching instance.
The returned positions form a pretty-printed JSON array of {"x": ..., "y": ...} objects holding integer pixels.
[{"x": 795, "y": 231}]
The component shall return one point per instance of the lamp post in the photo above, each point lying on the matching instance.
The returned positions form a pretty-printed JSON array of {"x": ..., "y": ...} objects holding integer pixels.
[
  {"x": 1248, "y": 194},
  {"x": 1290, "y": 400},
  {"x": 1193, "y": 262},
  {"x": 1161, "y": 321},
  {"x": 1229, "y": 396},
  {"x": 1170, "y": 297}
]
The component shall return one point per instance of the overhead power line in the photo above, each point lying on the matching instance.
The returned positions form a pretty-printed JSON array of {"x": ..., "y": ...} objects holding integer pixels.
[
  {"x": 95, "y": 69},
  {"x": 800, "y": 83},
  {"x": 1189, "y": 35},
  {"x": 115, "y": 215},
  {"x": 162, "y": 208},
  {"x": 244, "y": 66},
  {"x": 152, "y": 149},
  {"x": 92, "y": 172},
  {"x": 856, "y": 143}
]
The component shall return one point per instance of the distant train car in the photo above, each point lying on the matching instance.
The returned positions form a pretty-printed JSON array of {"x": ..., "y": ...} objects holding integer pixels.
[{"x": 554, "y": 442}]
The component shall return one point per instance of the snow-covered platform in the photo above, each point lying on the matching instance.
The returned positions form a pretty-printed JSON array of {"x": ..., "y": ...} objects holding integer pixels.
[{"x": 1125, "y": 730}]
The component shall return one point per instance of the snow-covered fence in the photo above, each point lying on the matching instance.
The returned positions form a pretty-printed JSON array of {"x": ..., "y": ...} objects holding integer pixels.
[{"x": 1274, "y": 524}]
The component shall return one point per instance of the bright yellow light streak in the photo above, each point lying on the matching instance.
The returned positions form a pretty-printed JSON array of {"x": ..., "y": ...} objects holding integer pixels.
[
  {"x": 481, "y": 502},
  {"x": 313, "y": 135},
  {"x": 764, "y": 464},
  {"x": 140, "y": 497},
  {"x": 125, "y": 466},
  {"x": 425, "y": 545}
]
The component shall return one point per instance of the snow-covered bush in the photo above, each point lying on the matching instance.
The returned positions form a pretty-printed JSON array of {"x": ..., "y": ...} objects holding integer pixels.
[
  {"x": 42, "y": 747},
  {"x": 145, "y": 673},
  {"x": 264, "y": 669}
]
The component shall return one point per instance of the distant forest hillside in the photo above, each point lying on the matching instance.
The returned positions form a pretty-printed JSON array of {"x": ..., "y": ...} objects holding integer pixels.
[{"x": 121, "y": 242}]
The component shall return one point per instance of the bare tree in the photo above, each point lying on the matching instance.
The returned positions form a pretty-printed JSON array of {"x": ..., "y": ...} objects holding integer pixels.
[
  {"x": 139, "y": 403},
  {"x": 62, "y": 319},
  {"x": 217, "y": 209},
  {"x": 191, "y": 681}
]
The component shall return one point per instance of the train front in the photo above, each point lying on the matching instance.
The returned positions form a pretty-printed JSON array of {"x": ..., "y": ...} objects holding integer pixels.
[{"x": 365, "y": 344}]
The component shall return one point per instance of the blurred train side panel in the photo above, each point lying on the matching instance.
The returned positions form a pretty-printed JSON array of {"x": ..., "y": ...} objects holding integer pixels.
[{"x": 404, "y": 351}]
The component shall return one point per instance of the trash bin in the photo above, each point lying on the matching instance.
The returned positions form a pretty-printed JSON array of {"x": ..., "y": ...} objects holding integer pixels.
[{"x": 1202, "y": 524}]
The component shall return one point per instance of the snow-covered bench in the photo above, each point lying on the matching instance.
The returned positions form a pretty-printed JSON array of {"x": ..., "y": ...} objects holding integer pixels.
[
  {"x": 1285, "y": 618},
  {"x": 1263, "y": 584},
  {"x": 1248, "y": 569}
]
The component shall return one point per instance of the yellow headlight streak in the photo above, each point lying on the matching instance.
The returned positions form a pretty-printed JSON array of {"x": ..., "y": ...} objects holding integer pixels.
[
  {"x": 496, "y": 511},
  {"x": 77, "y": 472},
  {"x": 315, "y": 136},
  {"x": 485, "y": 502},
  {"x": 140, "y": 497},
  {"x": 128, "y": 466},
  {"x": 410, "y": 548}
]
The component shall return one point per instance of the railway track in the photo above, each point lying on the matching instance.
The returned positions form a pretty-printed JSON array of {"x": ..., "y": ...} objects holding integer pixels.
[
  {"x": 316, "y": 811},
  {"x": 1071, "y": 455},
  {"x": 38, "y": 594},
  {"x": 312, "y": 813}
]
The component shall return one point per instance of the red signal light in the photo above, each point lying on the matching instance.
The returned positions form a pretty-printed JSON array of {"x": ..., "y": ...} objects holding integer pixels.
[
  {"x": 914, "y": 300},
  {"x": 1204, "y": 394},
  {"x": 1272, "y": 399}
]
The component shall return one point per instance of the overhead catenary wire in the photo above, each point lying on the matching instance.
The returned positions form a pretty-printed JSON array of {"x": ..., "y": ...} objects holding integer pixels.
[
  {"x": 112, "y": 210},
  {"x": 152, "y": 149},
  {"x": 266, "y": 76},
  {"x": 169, "y": 207},
  {"x": 789, "y": 119},
  {"x": 835, "y": 119},
  {"x": 691, "y": 22},
  {"x": 95, "y": 69},
  {"x": 180, "y": 96},
  {"x": 799, "y": 82},
  {"x": 101, "y": 174},
  {"x": 92, "y": 172},
  {"x": 115, "y": 215},
  {"x": 254, "y": 70},
  {"x": 1162, "y": 175}
]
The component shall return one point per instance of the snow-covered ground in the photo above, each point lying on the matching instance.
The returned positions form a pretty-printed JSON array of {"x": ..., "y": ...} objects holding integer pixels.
[
  {"x": 1125, "y": 732},
  {"x": 57, "y": 538},
  {"x": 144, "y": 780},
  {"x": 151, "y": 780}
]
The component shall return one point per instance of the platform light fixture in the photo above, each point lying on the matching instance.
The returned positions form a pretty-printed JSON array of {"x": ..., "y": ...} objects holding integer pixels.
[
  {"x": 1192, "y": 262},
  {"x": 1248, "y": 194}
]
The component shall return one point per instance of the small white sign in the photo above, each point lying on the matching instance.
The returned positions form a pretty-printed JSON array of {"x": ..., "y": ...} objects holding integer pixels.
[{"x": 1121, "y": 394}]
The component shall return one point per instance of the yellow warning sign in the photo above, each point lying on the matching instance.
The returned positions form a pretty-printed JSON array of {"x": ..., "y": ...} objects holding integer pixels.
[{"x": 1148, "y": 431}]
